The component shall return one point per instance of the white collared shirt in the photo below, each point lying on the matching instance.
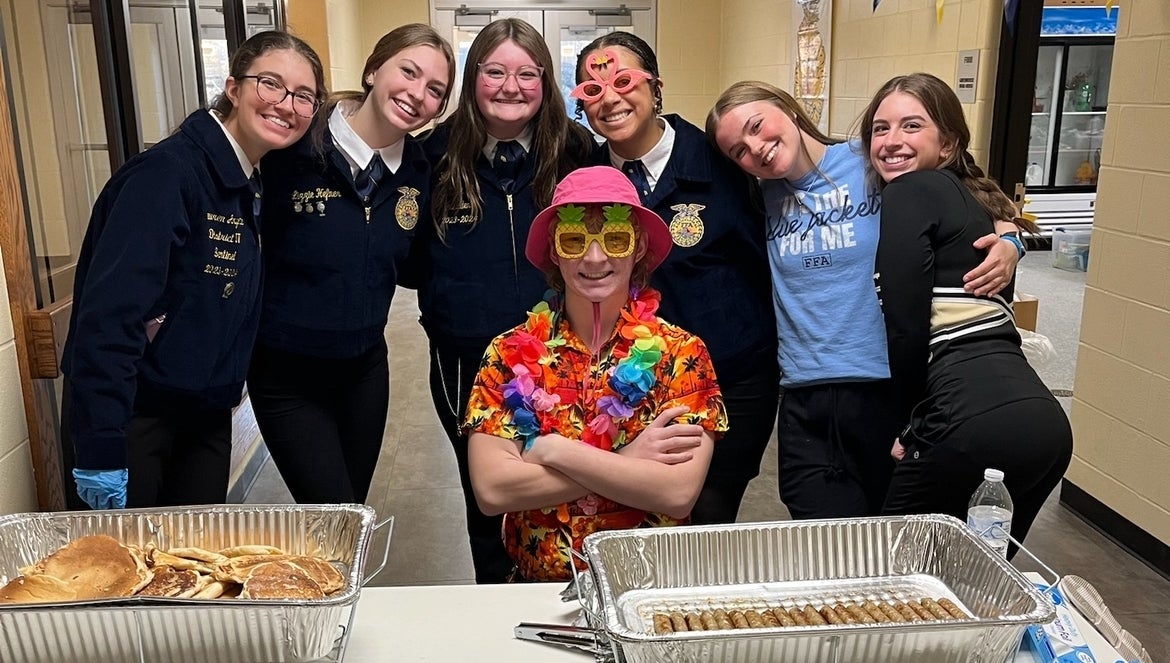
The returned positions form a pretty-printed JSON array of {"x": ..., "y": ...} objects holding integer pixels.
[
  {"x": 246, "y": 165},
  {"x": 525, "y": 140},
  {"x": 655, "y": 160},
  {"x": 357, "y": 154}
]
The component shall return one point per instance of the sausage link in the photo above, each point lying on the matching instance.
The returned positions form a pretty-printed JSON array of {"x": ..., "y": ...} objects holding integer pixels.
[
  {"x": 662, "y": 623},
  {"x": 694, "y": 622},
  {"x": 722, "y": 620},
  {"x": 738, "y": 619},
  {"x": 814, "y": 618},
  {"x": 770, "y": 620},
  {"x": 955, "y": 610},
  {"x": 678, "y": 622},
  {"x": 798, "y": 617},
  {"x": 875, "y": 611},
  {"x": 708, "y": 619}
]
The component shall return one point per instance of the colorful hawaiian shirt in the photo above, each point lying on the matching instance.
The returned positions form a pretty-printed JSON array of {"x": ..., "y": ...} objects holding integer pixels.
[{"x": 541, "y": 378}]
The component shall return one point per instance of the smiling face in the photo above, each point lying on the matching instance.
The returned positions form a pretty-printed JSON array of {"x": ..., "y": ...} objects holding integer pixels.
[
  {"x": 904, "y": 138},
  {"x": 595, "y": 276},
  {"x": 763, "y": 140},
  {"x": 507, "y": 109},
  {"x": 257, "y": 125},
  {"x": 627, "y": 120},
  {"x": 408, "y": 89}
]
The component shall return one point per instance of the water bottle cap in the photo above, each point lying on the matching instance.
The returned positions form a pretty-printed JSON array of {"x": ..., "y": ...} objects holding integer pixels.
[{"x": 991, "y": 474}]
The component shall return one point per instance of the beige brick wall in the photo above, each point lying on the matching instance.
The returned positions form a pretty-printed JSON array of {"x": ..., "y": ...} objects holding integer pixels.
[
  {"x": 904, "y": 36},
  {"x": 688, "y": 49},
  {"x": 17, "y": 487},
  {"x": 1120, "y": 419},
  {"x": 757, "y": 42}
]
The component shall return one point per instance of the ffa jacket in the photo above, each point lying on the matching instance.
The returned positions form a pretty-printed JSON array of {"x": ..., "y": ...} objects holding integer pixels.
[
  {"x": 476, "y": 283},
  {"x": 166, "y": 296},
  {"x": 715, "y": 283},
  {"x": 331, "y": 258}
]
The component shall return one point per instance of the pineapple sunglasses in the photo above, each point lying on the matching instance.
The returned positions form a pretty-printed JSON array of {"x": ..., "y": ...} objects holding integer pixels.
[{"x": 572, "y": 238}]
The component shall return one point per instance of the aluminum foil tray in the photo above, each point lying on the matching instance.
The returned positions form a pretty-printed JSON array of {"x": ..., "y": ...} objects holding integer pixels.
[
  {"x": 638, "y": 572},
  {"x": 184, "y": 630}
]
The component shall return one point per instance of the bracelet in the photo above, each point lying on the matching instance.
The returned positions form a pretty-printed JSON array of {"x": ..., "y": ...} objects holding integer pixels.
[{"x": 1014, "y": 238}]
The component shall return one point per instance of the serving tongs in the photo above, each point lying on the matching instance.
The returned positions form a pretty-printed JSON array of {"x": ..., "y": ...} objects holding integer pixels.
[
  {"x": 581, "y": 638},
  {"x": 587, "y": 639}
]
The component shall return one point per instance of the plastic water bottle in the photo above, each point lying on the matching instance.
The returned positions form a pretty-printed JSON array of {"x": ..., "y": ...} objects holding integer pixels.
[{"x": 989, "y": 513}]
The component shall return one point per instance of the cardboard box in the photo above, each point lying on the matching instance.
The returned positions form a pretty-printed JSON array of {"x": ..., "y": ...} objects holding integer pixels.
[{"x": 1026, "y": 308}]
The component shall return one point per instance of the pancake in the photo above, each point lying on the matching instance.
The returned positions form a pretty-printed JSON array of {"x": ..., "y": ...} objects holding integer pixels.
[
  {"x": 198, "y": 554},
  {"x": 157, "y": 557},
  {"x": 280, "y": 580},
  {"x": 174, "y": 583},
  {"x": 239, "y": 551},
  {"x": 237, "y": 569},
  {"x": 36, "y": 588},
  {"x": 97, "y": 567},
  {"x": 323, "y": 573}
]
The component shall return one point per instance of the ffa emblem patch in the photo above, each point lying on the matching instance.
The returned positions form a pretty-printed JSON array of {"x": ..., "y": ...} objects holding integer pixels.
[
  {"x": 406, "y": 210},
  {"x": 686, "y": 228}
]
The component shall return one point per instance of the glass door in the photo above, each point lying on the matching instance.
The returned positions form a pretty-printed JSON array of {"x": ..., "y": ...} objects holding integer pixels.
[
  {"x": 1082, "y": 119},
  {"x": 566, "y": 32}
]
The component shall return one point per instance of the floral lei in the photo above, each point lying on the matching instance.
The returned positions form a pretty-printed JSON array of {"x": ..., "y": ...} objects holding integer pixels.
[{"x": 528, "y": 353}]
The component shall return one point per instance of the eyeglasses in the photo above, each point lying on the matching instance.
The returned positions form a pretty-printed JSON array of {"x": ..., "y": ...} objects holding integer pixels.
[
  {"x": 572, "y": 239},
  {"x": 495, "y": 75},
  {"x": 272, "y": 91}
]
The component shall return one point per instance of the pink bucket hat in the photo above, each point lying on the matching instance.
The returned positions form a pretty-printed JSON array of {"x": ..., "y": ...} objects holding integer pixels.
[{"x": 604, "y": 185}]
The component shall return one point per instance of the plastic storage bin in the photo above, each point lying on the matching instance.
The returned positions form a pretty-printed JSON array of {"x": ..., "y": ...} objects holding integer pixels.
[{"x": 1070, "y": 249}]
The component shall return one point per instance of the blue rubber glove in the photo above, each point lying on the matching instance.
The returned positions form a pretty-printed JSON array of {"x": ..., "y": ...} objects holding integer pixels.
[{"x": 102, "y": 489}]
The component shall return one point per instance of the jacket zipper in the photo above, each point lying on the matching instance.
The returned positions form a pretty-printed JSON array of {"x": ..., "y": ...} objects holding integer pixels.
[{"x": 512, "y": 228}]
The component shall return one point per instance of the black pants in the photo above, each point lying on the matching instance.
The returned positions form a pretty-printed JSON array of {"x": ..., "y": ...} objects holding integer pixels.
[
  {"x": 179, "y": 457},
  {"x": 751, "y": 403},
  {"x": 322, "y": 419},
  {"x": 453, "y": 371},
  {"x": 988, "y": 412},
  {"x": 835, "y": 444}
]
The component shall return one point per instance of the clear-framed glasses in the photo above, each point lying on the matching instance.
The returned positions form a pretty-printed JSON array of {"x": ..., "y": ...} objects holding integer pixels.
[
  {"x": 494, "y": 75},
  {"x": 572, "y": 239},
  {"x": 272, "y": 91},
  {"x": 602, "y": 70}
]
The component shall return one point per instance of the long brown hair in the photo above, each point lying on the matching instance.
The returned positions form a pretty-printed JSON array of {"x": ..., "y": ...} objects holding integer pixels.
[
  {"x": 944, "y": 108},
  {"x": 392, "y": 43},
  {"x": 457, "y": 188},
  {"x": 256, "y": 46}
]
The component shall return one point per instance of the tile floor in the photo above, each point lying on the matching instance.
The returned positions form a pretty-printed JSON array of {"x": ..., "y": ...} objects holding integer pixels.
[{"x": 416, "y": 479}]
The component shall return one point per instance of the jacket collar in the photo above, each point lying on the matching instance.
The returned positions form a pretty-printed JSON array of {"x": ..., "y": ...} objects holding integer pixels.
[{"x": 208, "y": 134}]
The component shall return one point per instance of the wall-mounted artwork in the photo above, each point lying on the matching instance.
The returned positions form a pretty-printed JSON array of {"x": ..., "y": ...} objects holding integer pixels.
[{"x": 810, "y": 82}]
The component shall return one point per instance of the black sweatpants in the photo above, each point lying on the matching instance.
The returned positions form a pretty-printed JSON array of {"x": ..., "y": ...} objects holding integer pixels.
[
  {"x": 322, "y": 419},
  {"x": 178, "y": 457},
  {"x": 751, "y": 403},
  {"x": 987, "y": 412},
  {"x": 834, "y": 451},
  {"x": 452, "y": 373}
]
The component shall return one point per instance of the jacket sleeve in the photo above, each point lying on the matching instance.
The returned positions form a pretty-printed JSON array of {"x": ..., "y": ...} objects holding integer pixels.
[
  {"x": 905, "y": 279},
  {"x": 134, "y": 229}
]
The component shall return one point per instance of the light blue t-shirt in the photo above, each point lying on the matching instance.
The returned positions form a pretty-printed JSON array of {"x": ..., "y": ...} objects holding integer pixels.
[{"x": 822, "y": 240}]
